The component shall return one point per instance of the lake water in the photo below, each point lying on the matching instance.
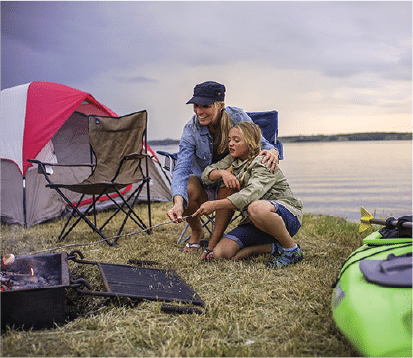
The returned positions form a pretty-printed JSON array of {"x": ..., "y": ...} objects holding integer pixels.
[{"x": 337, "y": 178}]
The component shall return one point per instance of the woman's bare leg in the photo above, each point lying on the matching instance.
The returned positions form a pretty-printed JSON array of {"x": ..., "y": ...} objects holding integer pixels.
[
  {"x": 222, "y": 219},
  {"x": 196, "y": 197}
]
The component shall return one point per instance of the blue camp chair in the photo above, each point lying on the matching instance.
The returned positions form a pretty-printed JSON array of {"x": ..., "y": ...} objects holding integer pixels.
[{"x": 268, "y": 123}]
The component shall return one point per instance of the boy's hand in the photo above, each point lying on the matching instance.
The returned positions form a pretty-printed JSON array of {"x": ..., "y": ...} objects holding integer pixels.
[
  {"x": 206, "y": 208},
  {"x": 230, "y": 180}
]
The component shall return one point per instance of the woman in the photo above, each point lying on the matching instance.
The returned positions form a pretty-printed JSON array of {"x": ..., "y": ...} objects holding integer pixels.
[
  {"x": 205, "y": 141},
  {"x": 271, "y": 213}
]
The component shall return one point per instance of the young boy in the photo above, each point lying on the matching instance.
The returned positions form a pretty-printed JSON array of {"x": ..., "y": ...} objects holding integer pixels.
[{"x": 272, "y": 215}]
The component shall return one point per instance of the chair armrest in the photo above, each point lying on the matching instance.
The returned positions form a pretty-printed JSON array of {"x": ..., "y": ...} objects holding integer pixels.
[
  {"x": 135, "y": 156},
  {"x": 279, "y": 146},
  {"x": 173, "y": 156},
  {"x": 34, "y": 161},
  {"x": 42, "y": 167},
  {"x": 169, "y": 158}
]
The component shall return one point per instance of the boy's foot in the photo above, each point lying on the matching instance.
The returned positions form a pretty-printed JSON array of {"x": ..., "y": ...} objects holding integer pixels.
[
  {"x": 277, "y": 249},
  {"x": 286, "y": 258}
]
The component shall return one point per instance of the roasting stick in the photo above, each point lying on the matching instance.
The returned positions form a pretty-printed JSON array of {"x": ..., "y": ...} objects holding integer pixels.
[{"x": 109, "y": 238}]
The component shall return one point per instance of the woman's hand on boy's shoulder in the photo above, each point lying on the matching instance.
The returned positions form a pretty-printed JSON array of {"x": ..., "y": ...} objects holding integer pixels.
[{"x": 270, "y": 159}]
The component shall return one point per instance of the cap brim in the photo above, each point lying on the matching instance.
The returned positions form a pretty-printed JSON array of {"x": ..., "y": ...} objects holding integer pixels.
[{"x": 201, "y": 100}]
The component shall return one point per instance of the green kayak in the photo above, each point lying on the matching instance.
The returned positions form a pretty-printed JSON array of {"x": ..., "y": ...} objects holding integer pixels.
[{"x": 372, "y": 297}]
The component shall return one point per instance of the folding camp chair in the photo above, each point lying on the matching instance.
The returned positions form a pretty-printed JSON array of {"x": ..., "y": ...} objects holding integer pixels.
[
  {"x": 268, "y": 123},
  {"x": 117, "y": 174}
]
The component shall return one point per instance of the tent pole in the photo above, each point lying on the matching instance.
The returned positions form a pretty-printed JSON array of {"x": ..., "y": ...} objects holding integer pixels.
[{"x": 24, "y": 201}]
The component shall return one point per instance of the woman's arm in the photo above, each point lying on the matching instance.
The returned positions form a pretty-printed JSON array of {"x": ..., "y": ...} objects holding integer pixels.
[{"x": 182, "y": 170}]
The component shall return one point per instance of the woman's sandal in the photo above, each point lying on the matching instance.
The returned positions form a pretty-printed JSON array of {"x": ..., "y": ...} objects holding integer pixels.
[
  {"x": 191, "y": 247},
  {"x": 207, "y": 252}
]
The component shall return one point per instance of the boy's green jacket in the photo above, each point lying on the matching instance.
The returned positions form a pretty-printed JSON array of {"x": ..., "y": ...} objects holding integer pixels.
[{"x": 259, "y": 183}]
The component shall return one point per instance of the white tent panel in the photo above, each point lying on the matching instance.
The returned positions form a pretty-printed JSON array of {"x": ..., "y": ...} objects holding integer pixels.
[
  {"x": 11, "y": 193},
  {"x": 13, "y": 114}
]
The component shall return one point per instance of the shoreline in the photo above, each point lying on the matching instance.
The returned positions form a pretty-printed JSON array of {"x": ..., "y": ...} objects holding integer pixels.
[{"x": 353, "y": 137}]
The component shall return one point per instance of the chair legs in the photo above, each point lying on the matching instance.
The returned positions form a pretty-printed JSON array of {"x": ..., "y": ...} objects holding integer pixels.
[
  {"x": 129, "y": 213},
  {"x": 81, "y": 215}
]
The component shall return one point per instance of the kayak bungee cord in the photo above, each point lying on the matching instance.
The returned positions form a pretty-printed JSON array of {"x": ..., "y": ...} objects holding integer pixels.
[
  {"x": 389, "y": 247},
  {"x": 109, "y": 238}
]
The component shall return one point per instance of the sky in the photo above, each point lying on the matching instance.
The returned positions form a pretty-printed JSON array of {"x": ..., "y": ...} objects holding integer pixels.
[{"x": 327, "y": 67}]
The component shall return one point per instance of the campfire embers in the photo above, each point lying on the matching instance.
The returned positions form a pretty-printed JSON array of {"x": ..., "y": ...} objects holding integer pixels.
[
  {"x": 19, "y": 276},
  {"x": 17, "y": 281}
]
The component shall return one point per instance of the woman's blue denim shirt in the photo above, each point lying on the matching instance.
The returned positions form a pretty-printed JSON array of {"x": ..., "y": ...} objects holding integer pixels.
[{"x": 195, "y": 151}]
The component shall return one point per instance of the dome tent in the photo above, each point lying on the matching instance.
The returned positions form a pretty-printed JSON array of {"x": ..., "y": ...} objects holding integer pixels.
[{"x": 48, "y": 122}]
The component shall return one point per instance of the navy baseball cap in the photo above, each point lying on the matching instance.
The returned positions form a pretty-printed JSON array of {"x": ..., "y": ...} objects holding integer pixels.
[{"x": 207, "y": 93}]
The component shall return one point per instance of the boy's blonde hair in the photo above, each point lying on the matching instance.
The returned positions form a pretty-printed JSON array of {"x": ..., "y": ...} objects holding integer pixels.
[{"x": 252, "y": 135}]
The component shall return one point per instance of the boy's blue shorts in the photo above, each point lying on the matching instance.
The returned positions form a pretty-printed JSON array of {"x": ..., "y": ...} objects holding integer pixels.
[{"x": 249, "y": 235}]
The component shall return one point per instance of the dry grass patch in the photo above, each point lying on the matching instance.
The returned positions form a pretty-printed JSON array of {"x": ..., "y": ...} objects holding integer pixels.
[{"x": 251, "y": 310}]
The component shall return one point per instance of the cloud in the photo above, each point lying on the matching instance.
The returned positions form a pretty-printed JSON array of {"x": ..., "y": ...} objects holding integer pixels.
[
  {"x": 135, "y": 79},
  {"x": 309, "y": 60}
]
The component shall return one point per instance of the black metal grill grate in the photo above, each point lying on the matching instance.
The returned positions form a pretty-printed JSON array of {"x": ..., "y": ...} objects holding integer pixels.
[{"x": 147, "y": 283}]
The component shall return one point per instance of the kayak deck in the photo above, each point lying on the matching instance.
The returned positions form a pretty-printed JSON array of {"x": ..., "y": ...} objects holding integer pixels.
[{"x": 376, "y": 319}]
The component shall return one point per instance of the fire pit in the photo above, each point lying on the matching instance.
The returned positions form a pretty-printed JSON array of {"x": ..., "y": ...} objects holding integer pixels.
[{"x": 33, "y": 288}]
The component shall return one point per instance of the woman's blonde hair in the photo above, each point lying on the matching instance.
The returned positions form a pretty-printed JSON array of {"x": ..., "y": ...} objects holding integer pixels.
[
  {"x": 252, "y": 135},
  {"x": 221, "y": 138}
]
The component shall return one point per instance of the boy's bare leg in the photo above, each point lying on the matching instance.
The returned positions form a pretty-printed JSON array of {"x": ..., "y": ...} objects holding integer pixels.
[
  {"x": 225, "y": 249},
  {"x": 250, "y": 251},
  {"x": 262, "y": 214}
]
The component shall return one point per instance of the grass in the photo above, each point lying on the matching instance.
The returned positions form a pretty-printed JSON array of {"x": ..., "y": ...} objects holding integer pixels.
[{"x": 251, "y": 310}]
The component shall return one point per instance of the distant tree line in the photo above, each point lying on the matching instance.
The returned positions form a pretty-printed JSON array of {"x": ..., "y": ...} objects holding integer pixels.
[
  {"x": 368, "y": 136},
  {"x": 321, "y": 138},
  {"x": 163, "y": 142}
]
